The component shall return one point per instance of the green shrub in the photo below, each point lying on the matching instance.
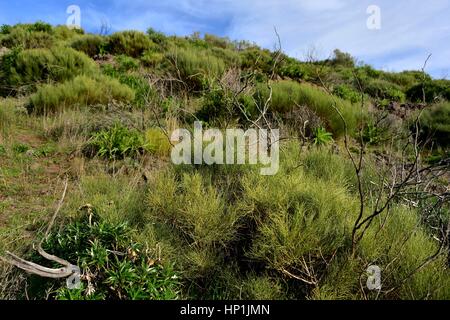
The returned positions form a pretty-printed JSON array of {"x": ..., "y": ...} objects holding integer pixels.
[
  {"x": 127, "y": 63},
  {"x": 25, "y": 69},
  {"x": 435, "y": 122},
  {"x": 130, "y": 43},
  {"x": 81, "y": 91},
  {"x": 90, "y": 44},
  {"x": 152, "y": 59},
  {"x": 119, "y": 268},
  {"x": 117, "y": 143}
]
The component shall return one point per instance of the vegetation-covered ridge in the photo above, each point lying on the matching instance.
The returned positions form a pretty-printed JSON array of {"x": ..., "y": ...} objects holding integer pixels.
[{"x": 364, "y": 171}]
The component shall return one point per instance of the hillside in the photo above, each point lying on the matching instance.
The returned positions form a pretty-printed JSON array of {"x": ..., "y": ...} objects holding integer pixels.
[{"x": 85, "y": 122}]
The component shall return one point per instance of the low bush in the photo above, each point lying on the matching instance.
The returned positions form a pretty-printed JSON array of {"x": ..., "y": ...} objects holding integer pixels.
[
  {"x": 130, "y": 43},
  {"x": 81, "y": 91}
]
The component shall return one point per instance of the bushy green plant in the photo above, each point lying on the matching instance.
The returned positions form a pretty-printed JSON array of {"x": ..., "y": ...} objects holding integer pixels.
[
  {"x": 90, "y": 44},
  {"x": 435, "y": 122},
  {"x": 25, "y": 69},
  {"x": 81, "y": 91},
  {"x": 117, "y": 142},
  {"x": 151, "y": 58},
  {"x": 115, "y": 266},
  {"x": 155, "y": 36},
  {"x": 130, "y": 43}
]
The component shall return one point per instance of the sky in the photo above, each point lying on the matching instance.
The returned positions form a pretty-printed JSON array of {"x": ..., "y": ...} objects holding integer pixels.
[{"x": 395, "y": 36}]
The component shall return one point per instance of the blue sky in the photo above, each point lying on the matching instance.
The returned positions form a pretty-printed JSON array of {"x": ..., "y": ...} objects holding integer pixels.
[{"x": 410, "y": 29}]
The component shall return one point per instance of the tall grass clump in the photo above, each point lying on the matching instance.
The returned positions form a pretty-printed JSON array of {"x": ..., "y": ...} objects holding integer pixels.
[
  {"x": 287, "y": 95},
  {"x": 81, "y": 91},
  {"x": 23, "y": 70}
]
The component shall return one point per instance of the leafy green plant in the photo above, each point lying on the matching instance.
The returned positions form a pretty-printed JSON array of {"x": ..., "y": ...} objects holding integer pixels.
[
  {"x": 113, "y": 265},
  {"x": 20, "y": 148},
  {"x": 322, "y": 137},
  {"x": 117, "y": 143}
]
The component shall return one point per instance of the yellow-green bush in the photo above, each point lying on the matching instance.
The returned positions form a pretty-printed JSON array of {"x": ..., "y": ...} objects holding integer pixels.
[{"x": 81, "y": 91}]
